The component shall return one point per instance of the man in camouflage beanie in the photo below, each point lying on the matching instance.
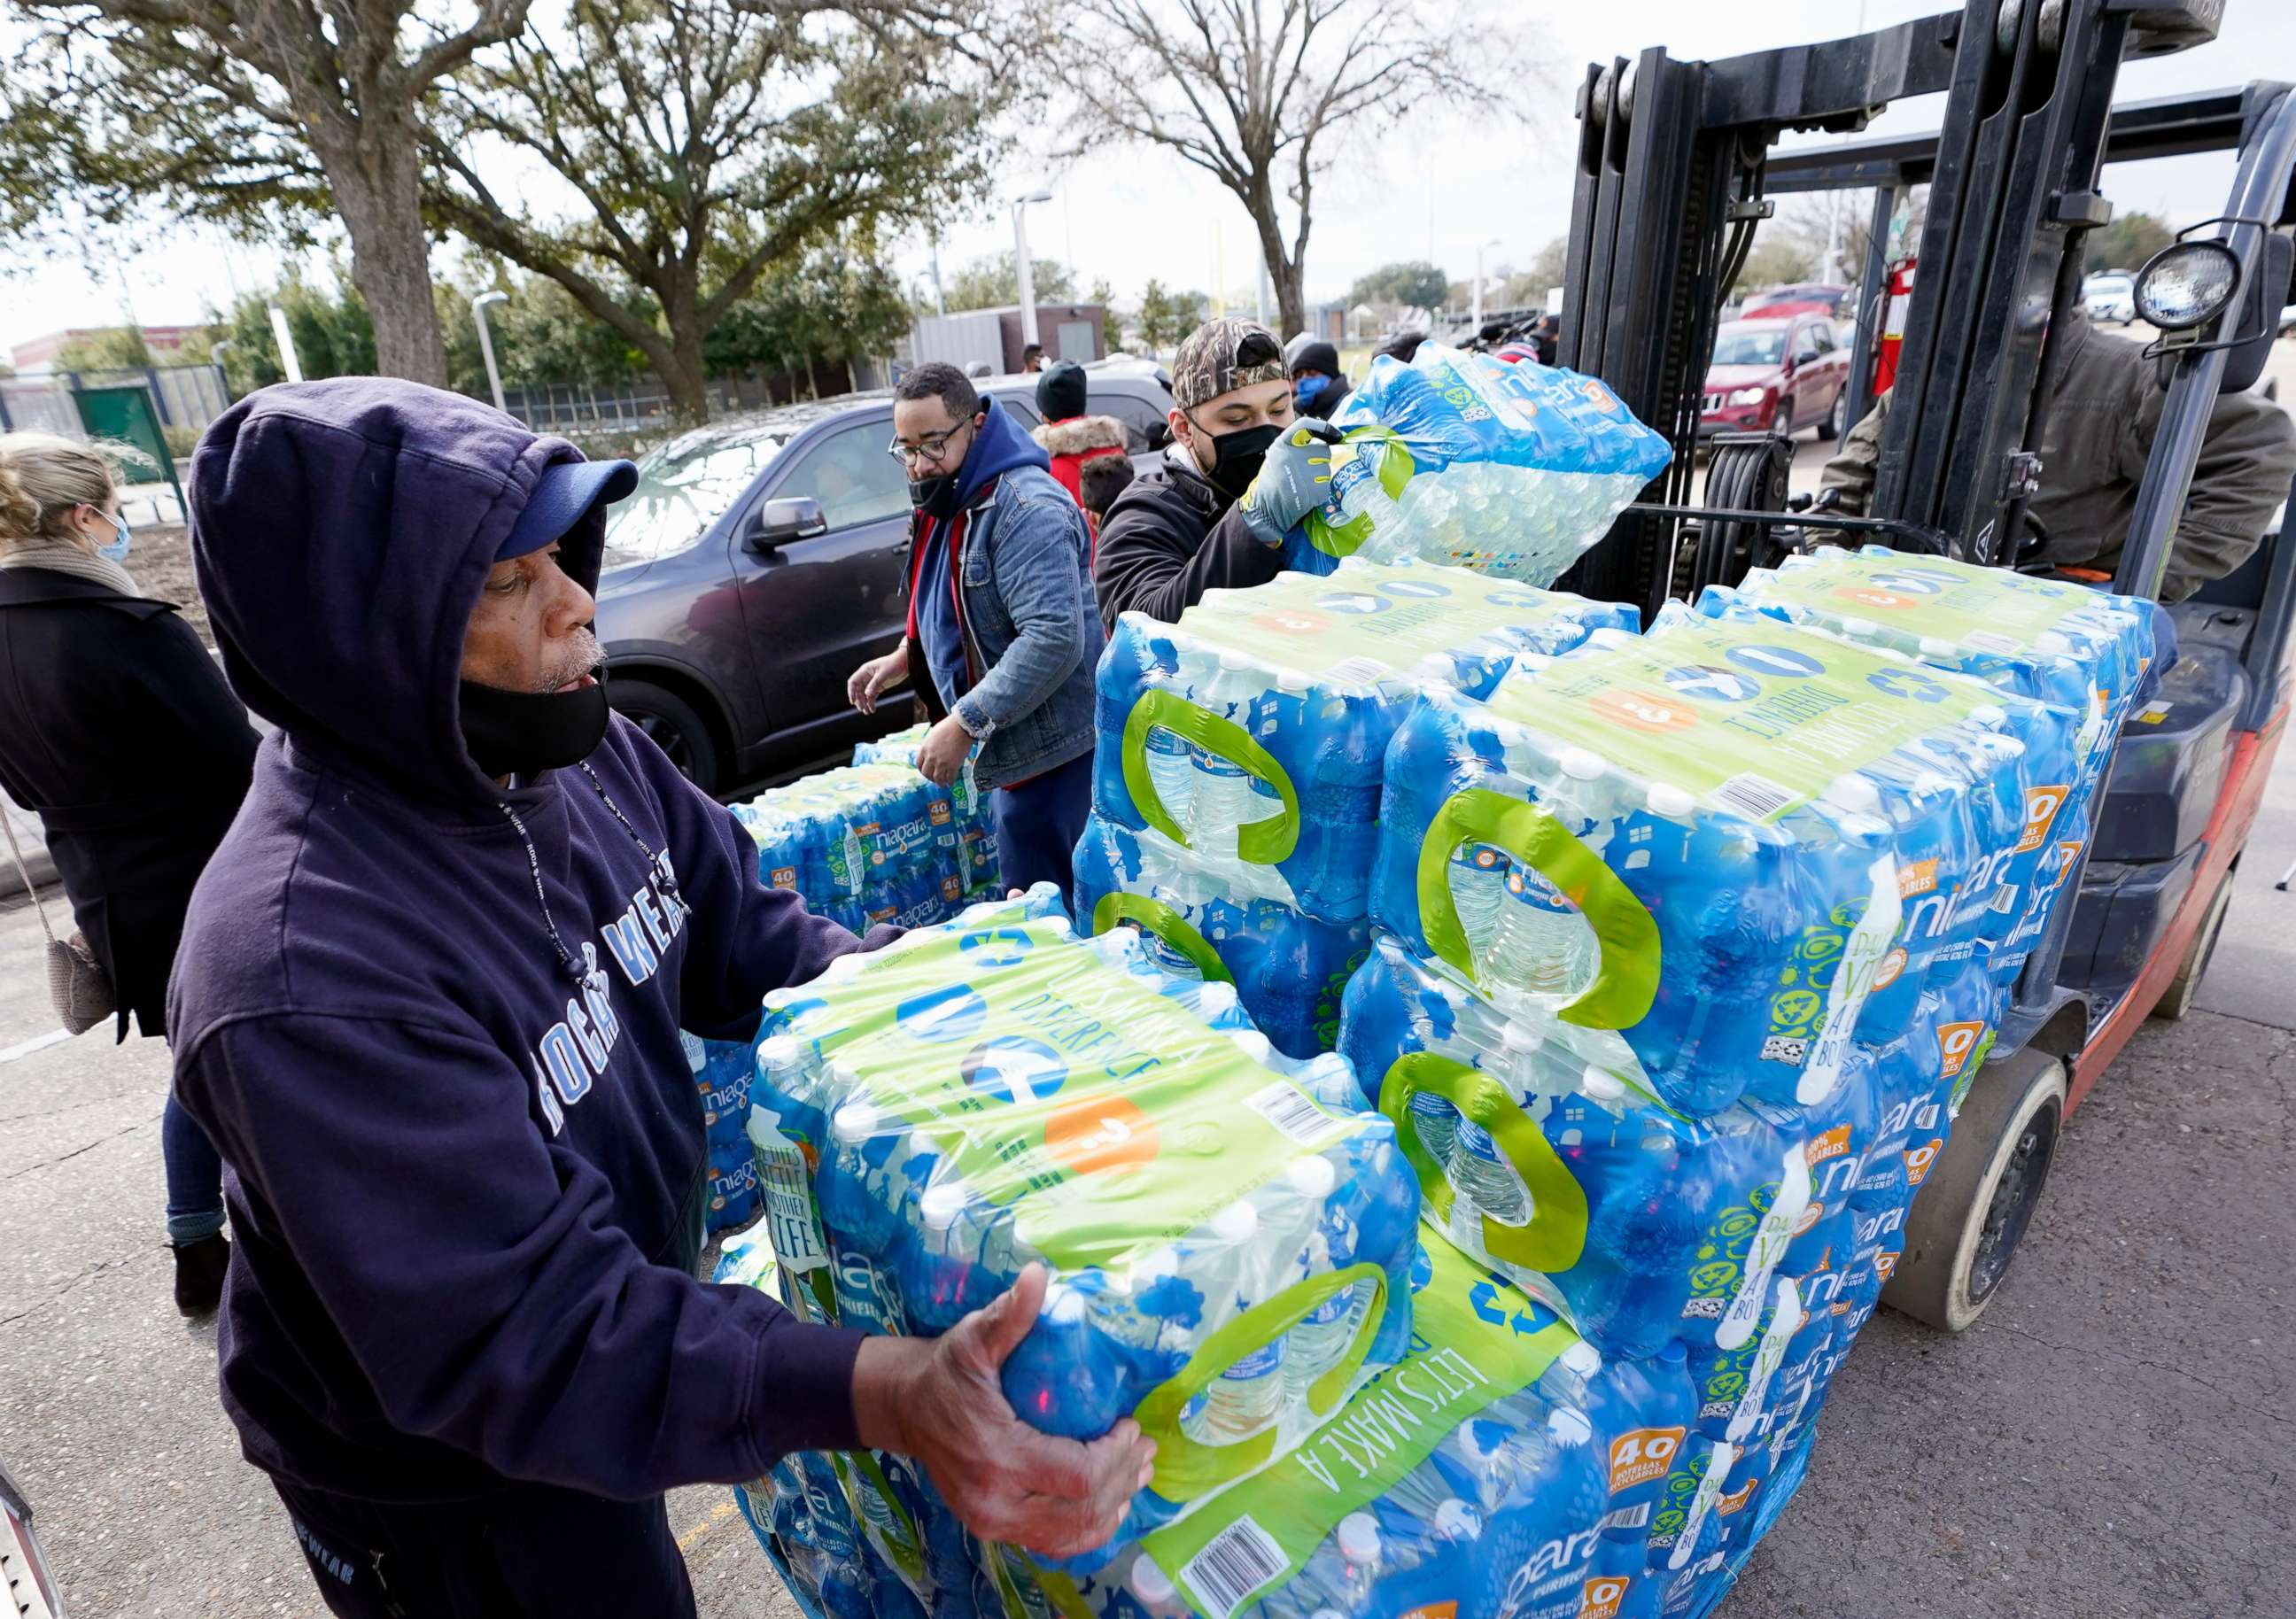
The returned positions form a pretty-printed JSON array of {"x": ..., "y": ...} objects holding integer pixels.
[{"x": 1237, "y": 476}]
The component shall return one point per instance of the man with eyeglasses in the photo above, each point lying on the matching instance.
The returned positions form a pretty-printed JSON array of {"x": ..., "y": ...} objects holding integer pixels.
[
  {"x": 1001, "y": 614},
  {"x": 1241, "y": 470}
]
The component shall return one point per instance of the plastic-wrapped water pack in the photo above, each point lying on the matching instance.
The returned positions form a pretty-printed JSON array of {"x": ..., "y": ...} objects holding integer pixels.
[
  {"x": 1229, "y": 925},
  {"x": 721, "y": 1072},
  {"x": 1458, "y": 458},
  {"x": 867, "y": 843},
  {"x": 1254, "y": 730},
  {"x": 1641, "y": 1225},
  {"x": 2086, "y": 651},
  {"x": 1737, "y": 847},
  {"x": 1228, "y": 1242},
  {"x": 976, "y": 828}
]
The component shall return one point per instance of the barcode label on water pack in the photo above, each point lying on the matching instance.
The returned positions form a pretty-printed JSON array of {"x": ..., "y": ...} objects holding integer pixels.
[
  {"x": 1756, "y": 797},
  {"x": 1283, "y": 1106},
  {"x": 1240, "y": 1559},
  {"x": 1363, "y": 670}
]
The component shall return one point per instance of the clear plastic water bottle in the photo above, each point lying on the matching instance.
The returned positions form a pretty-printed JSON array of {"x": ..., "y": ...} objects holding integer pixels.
[
  {"x": 1486, "y": 1180},
  {"x": 1172, "y": 770},
  {"x": 1479, "y": 885},
  {"x": 1438, "y": 1123},
  {"x": 1224, "y": 794},
  {"x": 1159, "y": 1598},
  {"x": 1319, "y": 1341},
  {"x": 1358, "y": 1541},
  {"x": 1249, "y": 1395},
  {"x": 1542, "y": 944}
]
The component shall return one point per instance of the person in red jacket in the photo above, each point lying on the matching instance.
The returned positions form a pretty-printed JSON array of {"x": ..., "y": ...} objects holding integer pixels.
[{"x": 1068, "y": 436}]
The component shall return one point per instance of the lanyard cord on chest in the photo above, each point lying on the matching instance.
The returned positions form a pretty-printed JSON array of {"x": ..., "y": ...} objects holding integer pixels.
[{"x": 665, "y": 879}]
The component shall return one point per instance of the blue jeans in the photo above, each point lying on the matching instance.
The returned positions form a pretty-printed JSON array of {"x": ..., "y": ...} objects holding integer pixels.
[
  {"x": 1039, "y": 823},
  {"x": 194, "y": 1176}
]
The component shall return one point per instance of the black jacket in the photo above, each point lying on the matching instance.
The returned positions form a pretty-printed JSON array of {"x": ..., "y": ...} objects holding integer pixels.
[
  {"x": 117, "y": 729},
  {"x": 1324, "y": 403},
  {"x": 1171, "y": 537}
]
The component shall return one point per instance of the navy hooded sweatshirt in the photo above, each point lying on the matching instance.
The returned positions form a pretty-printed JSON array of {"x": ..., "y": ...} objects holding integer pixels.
[{"x": 464, "y": 1172}]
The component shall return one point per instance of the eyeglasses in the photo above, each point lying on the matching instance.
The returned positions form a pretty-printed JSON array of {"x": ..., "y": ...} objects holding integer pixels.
[{"x": 932, "y": 446}]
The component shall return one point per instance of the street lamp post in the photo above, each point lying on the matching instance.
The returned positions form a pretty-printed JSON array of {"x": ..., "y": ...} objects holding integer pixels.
[
  {"x": 1021, "y": 263},
  {"x": 1480, "y": 246},
  {"x": 486, "y": 343},
  {"x": 288, "y": 362}
]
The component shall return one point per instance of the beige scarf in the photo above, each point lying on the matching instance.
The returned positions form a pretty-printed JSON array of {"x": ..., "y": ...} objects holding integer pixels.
[{"x": 63, "y": 557}]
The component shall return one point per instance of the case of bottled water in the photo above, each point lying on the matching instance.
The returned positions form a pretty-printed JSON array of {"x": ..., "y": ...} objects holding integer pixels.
[
  {"x": 1231, "y": 924},
  {"x": 1754, "y": 842},
  {"x": 2088, "y": 653},
  {"x": 1228, "y": 1236},
  {"x": 1462, "y": 459},
  {"x": 872, "y": 844},
  {"x": 1253, "y": 731},
  {"x": 721, "y": 1073}
]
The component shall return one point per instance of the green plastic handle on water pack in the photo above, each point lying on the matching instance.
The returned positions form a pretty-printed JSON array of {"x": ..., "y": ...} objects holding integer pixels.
[
  {"x": 1259, "y": 842},
  {"x": 1392, "y": 460},
  {"x": 1186, "y": 1468},
  {"x": 1156, "y": 917},
  {"x": 1556, "y": 1235},
  {"x": 1625, "y": 972}
]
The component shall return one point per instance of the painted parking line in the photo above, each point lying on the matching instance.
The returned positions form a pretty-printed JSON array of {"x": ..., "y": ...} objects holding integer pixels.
[
  {"x": 701, "y": 1531},
  {"x": 25, "y": 1048}
]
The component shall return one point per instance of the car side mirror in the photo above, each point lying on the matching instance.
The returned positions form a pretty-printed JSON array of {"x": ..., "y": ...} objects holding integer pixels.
[{"x": 777, "y": 522}]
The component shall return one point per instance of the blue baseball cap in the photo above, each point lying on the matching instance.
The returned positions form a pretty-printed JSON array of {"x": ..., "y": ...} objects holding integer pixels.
[{"x": 563, "y": 495}]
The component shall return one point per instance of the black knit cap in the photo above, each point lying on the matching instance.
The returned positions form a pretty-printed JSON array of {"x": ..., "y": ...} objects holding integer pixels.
[{"x": 1060, "y": 391}]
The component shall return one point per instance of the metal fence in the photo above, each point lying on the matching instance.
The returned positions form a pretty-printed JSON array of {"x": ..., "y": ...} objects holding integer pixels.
[
  {"x": 576, "y": 409},
  {"x": 187, "y": 395}
]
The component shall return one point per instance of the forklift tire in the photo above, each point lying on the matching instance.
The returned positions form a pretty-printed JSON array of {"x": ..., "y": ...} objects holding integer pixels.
[
  {"x": 1830, "y": 428},
  {"x": 1979, "y": 1193},
  {"x": 2176, "y": 1000}
]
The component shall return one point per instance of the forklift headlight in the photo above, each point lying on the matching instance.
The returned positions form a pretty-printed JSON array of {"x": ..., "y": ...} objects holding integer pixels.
[{"x": 2188, "y": 284}]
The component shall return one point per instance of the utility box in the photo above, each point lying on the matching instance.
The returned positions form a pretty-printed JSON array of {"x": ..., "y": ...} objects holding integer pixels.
[{"x": 992, "y": 337}]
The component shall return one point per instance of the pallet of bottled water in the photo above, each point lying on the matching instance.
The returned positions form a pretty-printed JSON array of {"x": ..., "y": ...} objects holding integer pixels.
[
  {"x": 866, "y": 845},
  {"x": 1253, "y": 731},
  {"x": 976, "y": 829},
  {"x": 1462, "y": 459},
  {"x": 1719, "y": 853},
  {"x": 1229, "y": 1234},
  {"x": 1230, "y": 923},
  {"x": 2084, "y": 651}
]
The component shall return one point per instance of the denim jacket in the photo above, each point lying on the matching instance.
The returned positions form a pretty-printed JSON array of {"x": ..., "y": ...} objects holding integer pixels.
[{"x": 1032, "y": 632}]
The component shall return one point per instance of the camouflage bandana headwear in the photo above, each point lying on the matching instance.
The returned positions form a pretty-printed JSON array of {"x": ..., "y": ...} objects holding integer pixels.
[{"x": 1223, "y": 355}]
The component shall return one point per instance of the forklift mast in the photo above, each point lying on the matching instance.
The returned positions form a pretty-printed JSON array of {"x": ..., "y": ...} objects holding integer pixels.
[{"x": 1671, "y": 182}]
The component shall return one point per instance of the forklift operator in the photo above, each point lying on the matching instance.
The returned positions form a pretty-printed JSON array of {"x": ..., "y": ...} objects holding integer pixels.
[{"x": 2099, "y": 433}]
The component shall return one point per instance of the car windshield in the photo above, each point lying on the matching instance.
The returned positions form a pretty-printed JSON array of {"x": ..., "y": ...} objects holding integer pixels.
[
  {"x": 1750, "y": 346},
  {"x": 683, "y": 487},
  {"x": 2110, "y": 283}
]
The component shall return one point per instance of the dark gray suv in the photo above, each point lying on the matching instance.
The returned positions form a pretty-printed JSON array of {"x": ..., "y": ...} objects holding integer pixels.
[{"x": 762, "y": 558}]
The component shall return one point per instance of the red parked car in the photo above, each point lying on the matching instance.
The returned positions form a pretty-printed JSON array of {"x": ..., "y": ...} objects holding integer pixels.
[
  {"x": 1777, "y": 376},
  {"x": 1804, "y": 297}
]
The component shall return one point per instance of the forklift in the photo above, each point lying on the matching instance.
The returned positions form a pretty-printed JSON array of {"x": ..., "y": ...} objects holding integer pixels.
[{"x": 1675, "y": 171}]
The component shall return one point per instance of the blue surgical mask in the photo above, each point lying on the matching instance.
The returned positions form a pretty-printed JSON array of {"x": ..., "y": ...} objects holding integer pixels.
[
  {"x": 1307, "y": 388},
  {"x": 117, "y": 551}
]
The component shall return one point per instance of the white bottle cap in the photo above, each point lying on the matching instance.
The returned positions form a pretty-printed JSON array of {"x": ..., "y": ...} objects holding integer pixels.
[
  {"x": 1232, "y": 661},
  {"x": 1312, "y": 1177},
  {"x": 779, "y": 1052},
  {"x": 1854, "y": 793},
  {"x": 1518, "y": 1039},
  {"x": 1580, "y": 764},
  {"x": 1358, "y": 1538},
  {"x": 1216, "y": 998},
  {"x": 1256, "y": 1045},
  {"x": 1569, "y": 1425},
  {"x": 1062, "y": 1303},
  {"x": 1601, "y": 1084},
  {"x": 1291, "y": 680},
  {"x": 843, "y": 967},
  {"x": 1611, "y": 638},
  {"x": 1454, "y": 1520},
  {"x": 1991, "y": 715},
  {"x": 1582, "y": 1358},
  {"x": 1675, "y": 803},
  {"x": 855, "y": 1121},
  {"x": 1059, "y": 926},
  {"x": 1153, "y": 1584},
  {"x": 1236, "y": 1223},
  {"x": 941, "y": 1204},
  {"x": 1932, "y": 647}
]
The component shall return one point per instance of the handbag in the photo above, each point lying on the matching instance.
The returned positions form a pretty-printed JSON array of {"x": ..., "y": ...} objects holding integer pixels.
[{"x": 77, "y": 988}]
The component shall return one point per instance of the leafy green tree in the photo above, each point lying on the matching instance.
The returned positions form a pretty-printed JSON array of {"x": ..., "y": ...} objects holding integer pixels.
[
  {"x": 113, "y": 349},
  {"x": 332, "y": 331},
  {"x": 992, "y": 282},
  {"x": 269, "y": 116},
  {"x": 703, "y": 141},
  {"x": 1168, "y": 317},
  {"x": 828, "y": 310},
  {"x": 1416, "y": 285},
  {"x": 2125, "y": 241},
  {"x": 541, "y": 335}
]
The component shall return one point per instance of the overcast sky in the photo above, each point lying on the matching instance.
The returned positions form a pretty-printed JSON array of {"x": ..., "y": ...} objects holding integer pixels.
[{"x": 1433, "y": 189}]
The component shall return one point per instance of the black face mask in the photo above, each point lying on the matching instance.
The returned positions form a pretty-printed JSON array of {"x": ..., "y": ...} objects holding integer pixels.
[
  {"x": 1236, "y": 457},
  {"x": 932, "y": 495},
  {"x": 523, "y": 733}
]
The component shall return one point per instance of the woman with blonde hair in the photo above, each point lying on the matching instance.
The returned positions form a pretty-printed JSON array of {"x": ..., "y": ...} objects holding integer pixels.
[{"x": 118, "y": 730}]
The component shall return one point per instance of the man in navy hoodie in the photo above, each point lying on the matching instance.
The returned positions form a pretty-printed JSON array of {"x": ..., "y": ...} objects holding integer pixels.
[{"x": 428, "y": 1004}]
